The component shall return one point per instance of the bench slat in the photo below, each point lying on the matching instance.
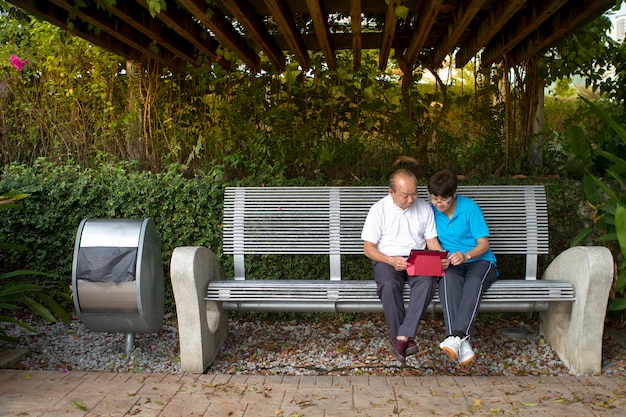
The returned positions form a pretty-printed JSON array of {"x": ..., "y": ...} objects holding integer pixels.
[
  {"x": 256, "y": 217},
  {"x": 360, "y": 296},
  {"x": 271, "y": 290}
]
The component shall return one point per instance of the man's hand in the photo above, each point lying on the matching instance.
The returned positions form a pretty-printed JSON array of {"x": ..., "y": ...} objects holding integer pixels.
[{"x": 399, "y": 263}]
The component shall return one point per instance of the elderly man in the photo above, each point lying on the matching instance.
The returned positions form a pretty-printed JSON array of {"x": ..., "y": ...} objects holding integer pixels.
[{"x": 394, "y": 225}]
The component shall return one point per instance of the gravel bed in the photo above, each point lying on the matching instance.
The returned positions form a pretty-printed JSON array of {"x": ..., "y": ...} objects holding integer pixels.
[{"x": 276, "y": 344}]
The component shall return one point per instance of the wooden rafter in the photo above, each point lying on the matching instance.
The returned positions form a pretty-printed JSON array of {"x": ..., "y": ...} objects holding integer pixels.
[
  {"x": 320, "y": 23},
  {"x": 116, "y": 28},
  {"x": 138, "y": 18},
  {"x": 224, "y": 32},
  {"x": 391, "y": 22},
  {"x": 60, "y": 17},
  {"x": 287, "y": 25},
  {"x": 355, "y": 24},
  {"x": 256, "y": 31},
  {"x": 530, "y": 19},
  {"x": 181, "y": 22},
  {"x": 493, "y": 23},
  {"x": 421, "y": 28},
  {"x": 463, "y": 15},
  {"x": 567, "y": 20}
]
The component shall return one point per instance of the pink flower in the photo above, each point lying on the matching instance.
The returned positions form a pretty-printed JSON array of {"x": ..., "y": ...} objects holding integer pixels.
[{"x": 18, "y": 63}]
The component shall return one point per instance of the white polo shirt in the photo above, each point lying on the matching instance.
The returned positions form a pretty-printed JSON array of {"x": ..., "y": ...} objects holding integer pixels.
[{"x": 395, "y": 231}]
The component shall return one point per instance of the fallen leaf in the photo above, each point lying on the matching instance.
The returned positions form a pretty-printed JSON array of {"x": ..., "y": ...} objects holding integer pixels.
[
  {"x": 525, "y": 404},
  {"x": 79, "y": 405}
]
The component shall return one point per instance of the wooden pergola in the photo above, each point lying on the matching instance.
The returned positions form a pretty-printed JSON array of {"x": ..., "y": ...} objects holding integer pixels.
[{"x": 421, "y": 32}]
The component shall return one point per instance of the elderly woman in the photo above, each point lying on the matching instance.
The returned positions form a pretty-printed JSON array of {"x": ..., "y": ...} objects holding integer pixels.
[{"x": 463, "y": 232}]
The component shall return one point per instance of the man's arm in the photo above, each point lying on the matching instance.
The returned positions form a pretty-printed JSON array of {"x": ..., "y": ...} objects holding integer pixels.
[
  {"x": 433, "y": 244},
  {"x": 371, "y": 251}
]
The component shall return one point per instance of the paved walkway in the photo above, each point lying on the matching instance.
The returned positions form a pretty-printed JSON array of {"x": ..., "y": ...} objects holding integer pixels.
[{"x": 48, "y": 393}]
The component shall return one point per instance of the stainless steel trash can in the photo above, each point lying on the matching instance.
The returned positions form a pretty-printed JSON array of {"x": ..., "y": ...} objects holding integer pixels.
[{"x": 117, "y": 277}]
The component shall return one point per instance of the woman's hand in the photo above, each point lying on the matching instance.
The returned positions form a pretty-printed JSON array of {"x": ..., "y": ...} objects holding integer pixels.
[{"x": 457, "y": 258}]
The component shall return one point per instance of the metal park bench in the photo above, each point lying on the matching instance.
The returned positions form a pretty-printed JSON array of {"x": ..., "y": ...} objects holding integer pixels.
[{"x": 301, "y": 221}]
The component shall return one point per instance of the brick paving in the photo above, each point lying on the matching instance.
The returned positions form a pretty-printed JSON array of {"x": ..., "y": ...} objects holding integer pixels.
[{"x": 51, "y": 393}]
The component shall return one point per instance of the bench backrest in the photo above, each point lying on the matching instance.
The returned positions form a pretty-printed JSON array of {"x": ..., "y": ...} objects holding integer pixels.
[{"x": 328, "y": 220}]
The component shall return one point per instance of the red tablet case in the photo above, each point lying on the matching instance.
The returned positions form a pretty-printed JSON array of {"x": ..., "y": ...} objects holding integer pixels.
[{"x": 426, "y": 262}]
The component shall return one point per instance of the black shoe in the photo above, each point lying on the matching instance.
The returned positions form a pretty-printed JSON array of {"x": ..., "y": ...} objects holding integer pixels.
[
  {"x": 398, "y": 347},
  {"x": 411, "y": 348}
]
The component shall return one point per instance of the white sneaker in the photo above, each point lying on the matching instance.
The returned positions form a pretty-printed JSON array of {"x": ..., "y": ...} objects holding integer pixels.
[
  {"x": 451, "y": 347},
  {"x": 466, "y": 354}
]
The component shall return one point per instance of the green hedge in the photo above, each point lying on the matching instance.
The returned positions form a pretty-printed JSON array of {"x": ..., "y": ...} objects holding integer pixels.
[{"x": 186, "y": 211}]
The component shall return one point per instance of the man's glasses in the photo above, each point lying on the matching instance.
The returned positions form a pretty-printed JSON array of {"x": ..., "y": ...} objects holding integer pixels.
[
  {"x": 440, "y": 201},
  {"x": 406, "y": 195}
]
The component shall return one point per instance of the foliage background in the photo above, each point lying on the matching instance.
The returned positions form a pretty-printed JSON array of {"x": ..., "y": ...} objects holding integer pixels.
[
  {"x": 186, "y": 211},
  {"x": 90, "y": 135}
]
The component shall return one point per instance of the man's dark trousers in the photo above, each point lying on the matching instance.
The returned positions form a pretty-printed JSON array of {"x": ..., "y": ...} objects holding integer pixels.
[{"x": 390, "y": 285}]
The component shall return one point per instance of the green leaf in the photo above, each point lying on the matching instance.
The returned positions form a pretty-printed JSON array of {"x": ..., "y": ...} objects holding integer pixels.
[
  {"x": 609, "y": 237},
  {"x": 18, "y": 288},
  {"x": 604, "y": 187},
  {"x": 619, "y": 162},
  {"x": 580, "y": 236},
  {"x": 369, "y": 93},
  {"x": 80, "y": 405},
  {"x": 20, "y": 323},
  {"x": 56, "y": 308},
  {"x": 402, "y": 12},
  {"x": 620, "y": 130},
  {"x": 620, "y": 283},
  {"x": 591, "y": 190},
  {"x": 620, "y": 227},
  {"x": 617, "y": 305},
  {"x": 579, "y": 151},
  {"x": 525, "y": 404},
  {"x": 39, "y": 309},
  {"x": 23, "y": 272}
]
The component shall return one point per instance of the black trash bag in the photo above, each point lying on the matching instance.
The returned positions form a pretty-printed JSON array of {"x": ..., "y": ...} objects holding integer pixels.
[{"x": 106, "y": 264}]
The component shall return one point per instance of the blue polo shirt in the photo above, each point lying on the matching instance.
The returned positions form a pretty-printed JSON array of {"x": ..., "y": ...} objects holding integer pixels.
[{"x": 461, "y": 232}]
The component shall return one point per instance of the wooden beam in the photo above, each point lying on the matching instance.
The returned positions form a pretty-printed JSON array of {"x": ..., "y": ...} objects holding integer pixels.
[
  {"x": 320, "y": 23},
  {"x": 421, "y": 28},
  {"x": 223, "y": 30},
  {"x": 137, "y": 17},
  {"x": 60, "y": 17},
  {"x": 287, "y": 25},
  {"x": 489, "y": 27},
  {"x": 461, "y": 19},
  {"x": 181, "y": 22},
  {"x": 531, "y": 18},
  {"x": 116, "y": 28},
  {"x": 389, "y": 31},
  {"x": 355, "y": 24},
  {"x": 342, "y": 41},
  {"x": 256, "y": 30},
  {"x": 567, "y": 20}
]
